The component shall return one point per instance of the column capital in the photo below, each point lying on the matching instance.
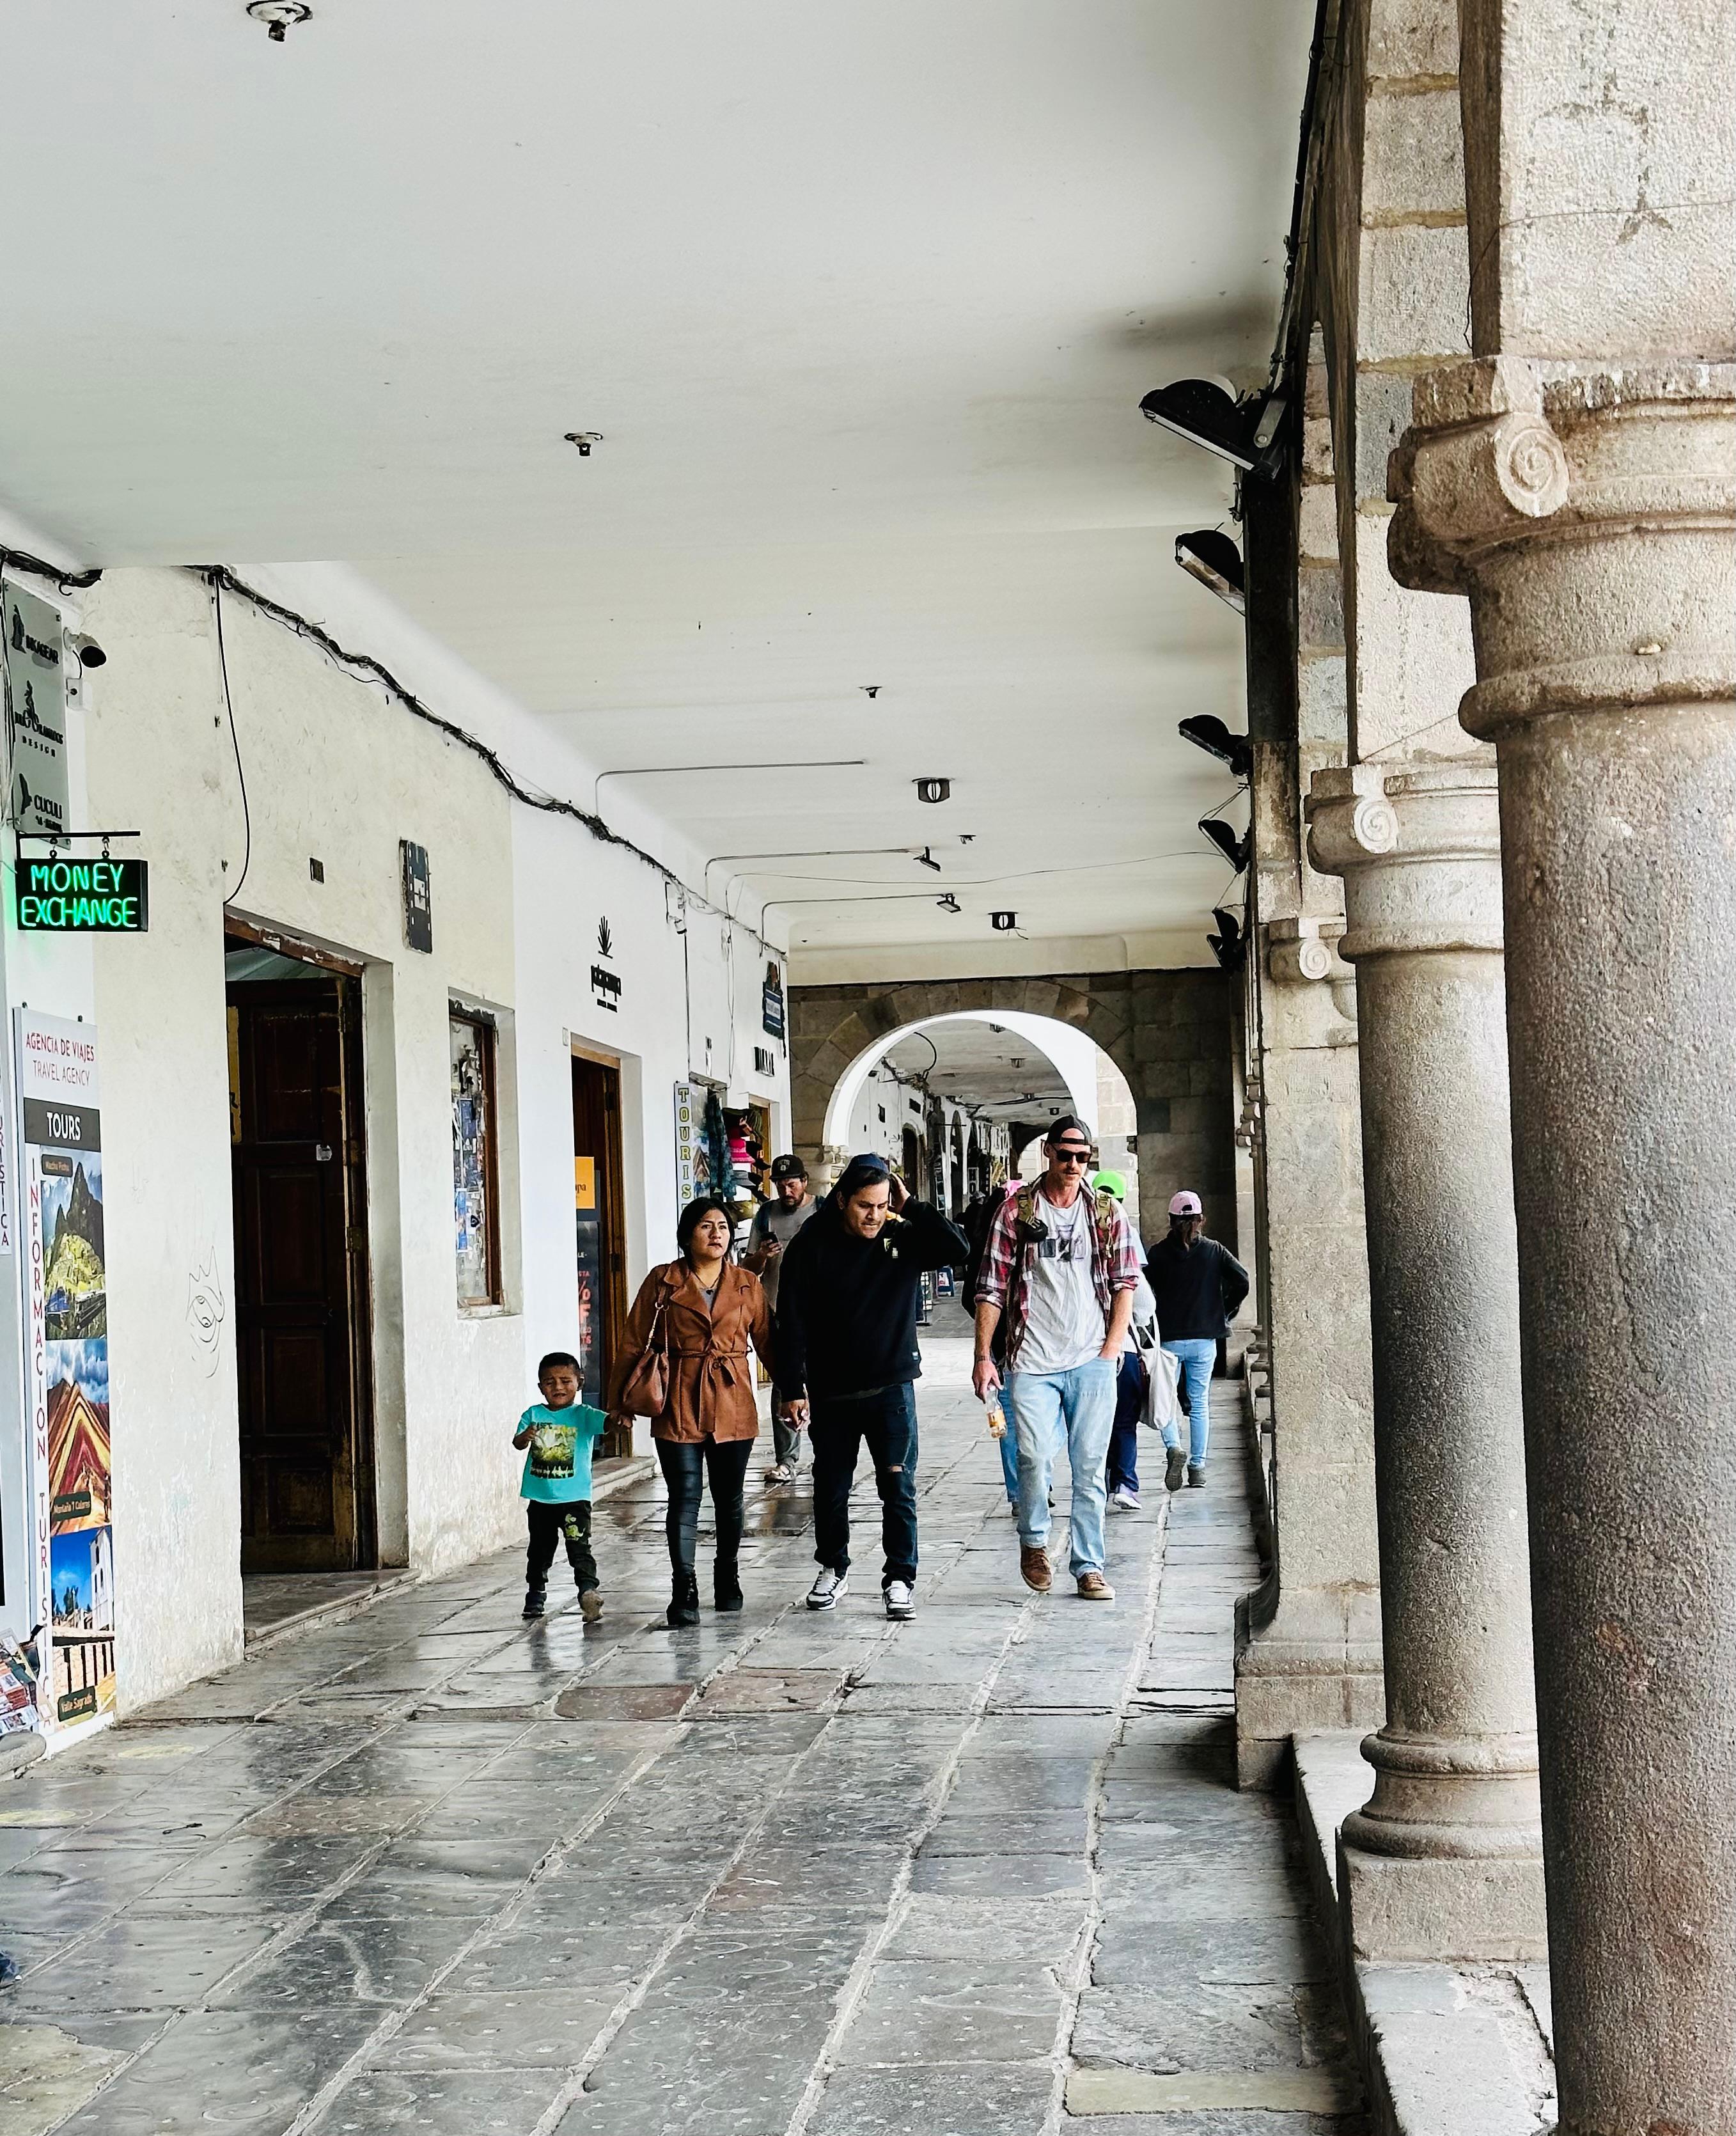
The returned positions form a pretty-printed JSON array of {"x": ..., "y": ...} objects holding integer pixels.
[
  {"x": 1547, "y": 492},
  {"x": 1301, "y": 951},
  {"x": 1418, "y": 845}
]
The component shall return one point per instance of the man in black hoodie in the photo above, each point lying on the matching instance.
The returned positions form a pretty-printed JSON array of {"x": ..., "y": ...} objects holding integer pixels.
[{"x": 846, "y": 1360}]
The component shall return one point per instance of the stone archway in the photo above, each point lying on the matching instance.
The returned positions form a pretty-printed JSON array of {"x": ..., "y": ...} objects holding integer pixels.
[{"x": 1169, "y": 1032}]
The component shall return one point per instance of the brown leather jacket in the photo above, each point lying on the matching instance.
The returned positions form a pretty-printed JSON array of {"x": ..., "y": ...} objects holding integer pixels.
[{"x": 711, "y": 1375}]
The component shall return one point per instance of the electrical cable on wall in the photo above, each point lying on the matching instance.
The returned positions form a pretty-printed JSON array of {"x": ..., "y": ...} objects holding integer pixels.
[{"x": 230, "y": 896}]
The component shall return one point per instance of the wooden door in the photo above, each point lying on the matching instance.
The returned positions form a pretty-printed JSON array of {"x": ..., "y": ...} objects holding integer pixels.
[
  {"x": 300, "y": 1290},
  {"x": 600, "y": 1233}
]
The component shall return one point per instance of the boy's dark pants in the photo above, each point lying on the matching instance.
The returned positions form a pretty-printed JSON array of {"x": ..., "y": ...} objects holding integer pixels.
[{"x": 548, "y": 1523}]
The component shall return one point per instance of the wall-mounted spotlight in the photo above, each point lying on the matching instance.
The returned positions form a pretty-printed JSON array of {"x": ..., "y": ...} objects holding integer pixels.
[
  {"x": 949, "y": 903},
  {"x": 1243, "y": 432},
  {"x": 1226, "y": 945},
  {"x": 926, "y": 859},
  {"x": 87, "y": 653},
  {"x": 1206, "y": 731},
  {"x": 1213, "y": 558},
  {"x": 1003, "y": 923},
  {"x": 1234, "y": 849},
  {"x": 279, "y": 16}
]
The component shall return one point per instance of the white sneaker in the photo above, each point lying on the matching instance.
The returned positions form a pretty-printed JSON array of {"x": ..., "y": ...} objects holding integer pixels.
[
  {"x": 1125, "y": 1501},
  {"x": 900, "y": 1602},
  {"x": 828, "y": 1585}
]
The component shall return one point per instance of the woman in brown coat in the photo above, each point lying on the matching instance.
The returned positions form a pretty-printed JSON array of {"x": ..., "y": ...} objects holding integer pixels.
[{"x": 711, "y": 1311}]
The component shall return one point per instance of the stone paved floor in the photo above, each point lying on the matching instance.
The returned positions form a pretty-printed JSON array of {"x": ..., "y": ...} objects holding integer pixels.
[{"x": 783, "y": 1875}]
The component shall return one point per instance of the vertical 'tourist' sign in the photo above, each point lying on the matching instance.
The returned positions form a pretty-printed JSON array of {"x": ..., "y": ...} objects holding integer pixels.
[
  {"x": 66, "y": 1342},
  {"x": 36, "y": 713}
]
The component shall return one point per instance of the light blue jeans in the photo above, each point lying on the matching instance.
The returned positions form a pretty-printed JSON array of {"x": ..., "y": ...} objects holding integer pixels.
[
  {"x": 1081, "y": 1403},
  {"x": 1198, "y": 1354},
  {"x": 1010, "y": 1456}
]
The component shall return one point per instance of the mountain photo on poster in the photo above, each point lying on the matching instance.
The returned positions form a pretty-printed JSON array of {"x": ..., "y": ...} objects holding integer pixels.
[
  {"x": 77, "y": 1304},
  {"x": 80, "y": 1493}
]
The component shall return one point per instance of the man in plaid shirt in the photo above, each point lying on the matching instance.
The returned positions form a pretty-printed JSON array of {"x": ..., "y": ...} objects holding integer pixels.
[{"x": 1059, "y": 1267}]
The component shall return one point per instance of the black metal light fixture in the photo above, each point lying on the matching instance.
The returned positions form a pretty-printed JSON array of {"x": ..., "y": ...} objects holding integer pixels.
[
  {"x": 1003, "y": 923},
  {"x": 933, "y": 789},
  {"x": 279, "y": 16},
  {"x": 1226, "y": 945},
  {"x": 1212, "y": 557},
  {"x": 1243, "y": 432},
  {"x": 1207, "y": 730},
  {"x": 926, "y": 859},
  {"x": 949, "y": 903},
  {"x": 1234, "y": 849}
]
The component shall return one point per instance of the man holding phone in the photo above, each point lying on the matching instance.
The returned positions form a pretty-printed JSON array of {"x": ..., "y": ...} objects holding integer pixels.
[{"x": 776, "y": 1224}]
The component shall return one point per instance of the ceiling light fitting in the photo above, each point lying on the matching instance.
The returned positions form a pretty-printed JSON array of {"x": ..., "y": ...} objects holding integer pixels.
[
  {"x": 1003, "y": 923},
  {"x": 949, "y": 903},
  {"x": 87, "y": 652},
  {"x": 869, "y": 689},
  {"x": 583, "y": 439},
  {"x": 1226, "y": 945},
  {"x": 933, "y": 789},
  {"x": 279, "y": 16},
  {"x": 1207, "y": 730},
  {"x": 1212, "y": 557},
  {"x": 1243, "y": 432},
  {"x": 1234, "y": 849},
  {"x": 926, "y": 859}
]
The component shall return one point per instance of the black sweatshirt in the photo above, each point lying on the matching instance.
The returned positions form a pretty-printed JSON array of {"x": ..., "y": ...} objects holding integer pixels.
[
  {"x": 1197, "y": 1289},
  {"x": 846, "y": 1306}
]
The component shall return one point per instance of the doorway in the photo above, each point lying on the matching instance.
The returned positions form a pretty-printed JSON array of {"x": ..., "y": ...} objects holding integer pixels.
[
  {"x": 303, "y": 1333},
  {"x": 599, "y": 1214}
]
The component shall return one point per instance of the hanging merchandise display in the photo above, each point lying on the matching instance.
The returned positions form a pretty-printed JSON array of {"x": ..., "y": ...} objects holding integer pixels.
[{"x": 66, "y": 1348}]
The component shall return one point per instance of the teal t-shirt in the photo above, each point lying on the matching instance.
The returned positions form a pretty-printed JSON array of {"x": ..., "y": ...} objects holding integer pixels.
[{"x": 558, "y": 1459}]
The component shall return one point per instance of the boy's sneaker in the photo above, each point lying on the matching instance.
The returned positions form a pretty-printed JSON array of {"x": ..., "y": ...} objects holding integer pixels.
[
  {"x": 1175, "y": 1469},
  {"x": 590, "y": 1604},
  {"x": 781, "y": 1472},
  {"x": 900, "y": 1602},
  {"x": 534, "y": 1599},
  {"x": 828, "y": 1585}
]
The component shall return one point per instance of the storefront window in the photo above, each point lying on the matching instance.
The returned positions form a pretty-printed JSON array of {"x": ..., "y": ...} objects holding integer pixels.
[{"x": 474, "y": 1168}]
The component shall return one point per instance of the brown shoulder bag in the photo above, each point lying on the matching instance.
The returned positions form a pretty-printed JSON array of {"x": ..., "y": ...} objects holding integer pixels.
[{"x": 644, "y": 1391}]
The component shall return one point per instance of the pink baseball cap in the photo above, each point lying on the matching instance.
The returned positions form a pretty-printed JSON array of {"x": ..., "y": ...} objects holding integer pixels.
[{"x": 1184, "y": 1204}]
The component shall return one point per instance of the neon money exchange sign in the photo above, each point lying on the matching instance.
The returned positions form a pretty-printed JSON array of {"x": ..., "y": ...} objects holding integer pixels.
[{"x": 59, "y": 896}]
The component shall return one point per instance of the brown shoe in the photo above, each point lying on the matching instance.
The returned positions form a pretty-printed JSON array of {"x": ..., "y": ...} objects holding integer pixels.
[
  {"x": 1093, "y": 1587},
  {"x": 1034, "y": 1569}
]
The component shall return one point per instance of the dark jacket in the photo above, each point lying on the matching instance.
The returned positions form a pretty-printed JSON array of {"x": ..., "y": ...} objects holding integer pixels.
[
  {"x": 1197, "y": 1289},
  {"x": 846, "y": 1306}
]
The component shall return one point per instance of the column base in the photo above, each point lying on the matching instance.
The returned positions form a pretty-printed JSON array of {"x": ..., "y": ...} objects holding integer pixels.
[
  {"x": 1455, "y": 1911},
  {"x": 1311, "y": 1668}
]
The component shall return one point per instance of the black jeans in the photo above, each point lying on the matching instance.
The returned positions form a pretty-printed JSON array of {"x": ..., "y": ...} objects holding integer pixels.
[
  {"x": 1123, "y": 1469},
  {"x": 548, "y": 1523},
  {"x": 887, "y": 1420},
  {"x": 685, "y": 1466}
]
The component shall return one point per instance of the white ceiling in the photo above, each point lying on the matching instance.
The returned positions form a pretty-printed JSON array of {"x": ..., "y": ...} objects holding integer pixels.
[
  {"x": 1002, "y": 1075},
  {"x": 862, "y": 299}
]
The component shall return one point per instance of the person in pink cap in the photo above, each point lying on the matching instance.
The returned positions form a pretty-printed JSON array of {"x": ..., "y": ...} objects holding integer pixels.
[{"x": 1198, "y": 1285}]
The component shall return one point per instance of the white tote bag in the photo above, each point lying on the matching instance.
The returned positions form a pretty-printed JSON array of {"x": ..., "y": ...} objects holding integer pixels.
[{"x": 1162, "y": 1405}]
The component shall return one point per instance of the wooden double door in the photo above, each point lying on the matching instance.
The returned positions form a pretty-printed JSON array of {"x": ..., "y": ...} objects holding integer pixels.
[{"x": 302, "y": 1332}]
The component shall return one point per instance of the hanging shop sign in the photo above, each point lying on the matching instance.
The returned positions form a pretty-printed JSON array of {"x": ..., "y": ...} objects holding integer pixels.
[
  {"x": 66, "y": 1347},
  {"x": 36, "y": 713},
  {"x": 687, "y": 1158},
  {"x": 771, "y": 1003},
  {"x": 59, "y": 895},
  {"x": 418, "y": 897},
  {"x": 605, "y": 984}
]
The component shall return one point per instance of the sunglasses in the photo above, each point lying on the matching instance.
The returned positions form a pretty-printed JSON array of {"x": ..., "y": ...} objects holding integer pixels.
[{"x": 1073, "y": 1156}]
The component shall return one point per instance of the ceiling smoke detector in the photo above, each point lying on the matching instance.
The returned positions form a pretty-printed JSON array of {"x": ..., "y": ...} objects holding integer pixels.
[{"x": 279, "y": 16}]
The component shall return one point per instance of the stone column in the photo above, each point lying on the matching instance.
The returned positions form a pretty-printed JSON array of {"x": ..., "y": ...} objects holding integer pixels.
[
  {"x": 1590, "y": 514},
  {"x": 1445, "y": 1861}
]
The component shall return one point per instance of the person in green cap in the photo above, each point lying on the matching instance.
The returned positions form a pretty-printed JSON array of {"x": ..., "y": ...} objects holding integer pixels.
[{"x": 1122, "y": 1470}]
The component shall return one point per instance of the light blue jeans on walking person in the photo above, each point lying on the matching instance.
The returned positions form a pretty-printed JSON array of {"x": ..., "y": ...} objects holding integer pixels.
[
  {"x": 1198, "y": 1355},
  {"x": 1010, "y": 1455},
  {"x": 1081, "y": 1404}
]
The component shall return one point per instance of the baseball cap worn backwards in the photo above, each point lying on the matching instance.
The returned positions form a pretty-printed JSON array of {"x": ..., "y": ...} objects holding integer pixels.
[
  {"x": 1068, "y": 1124},
  {"x": 1186, "y": 1204}
]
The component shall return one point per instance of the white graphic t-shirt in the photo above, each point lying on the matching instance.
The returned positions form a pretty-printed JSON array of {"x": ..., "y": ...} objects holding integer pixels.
[{"x": 1063, "y": 1323}]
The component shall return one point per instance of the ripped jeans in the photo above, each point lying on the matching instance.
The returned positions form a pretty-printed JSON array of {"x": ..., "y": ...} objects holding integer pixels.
[{"x": 836, "y": 1428}]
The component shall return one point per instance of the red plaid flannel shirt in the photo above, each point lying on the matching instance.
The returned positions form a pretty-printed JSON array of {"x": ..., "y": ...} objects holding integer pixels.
[{"x": 1002, "y": 1278}]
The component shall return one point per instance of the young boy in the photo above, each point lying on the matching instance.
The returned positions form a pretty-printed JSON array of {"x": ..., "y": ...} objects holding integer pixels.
[{"x": 558, "y": 1431}]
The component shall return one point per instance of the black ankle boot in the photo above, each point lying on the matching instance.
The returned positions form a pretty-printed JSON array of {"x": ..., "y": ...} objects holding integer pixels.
[
  {"x": 725, "y": 1587},
  {"x": 683, "y": 1601}
]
